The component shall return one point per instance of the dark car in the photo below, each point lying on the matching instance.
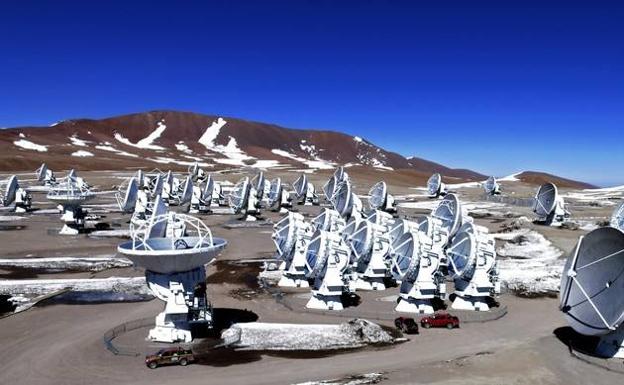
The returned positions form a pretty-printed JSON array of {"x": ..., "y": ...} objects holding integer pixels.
[
  {"x": 440, "y": 320},
  {"x": 171, "y": 356},
  {"x": 406, "y": 325}
]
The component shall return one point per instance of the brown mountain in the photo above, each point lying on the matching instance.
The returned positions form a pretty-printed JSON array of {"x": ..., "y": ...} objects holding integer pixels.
[{"x": 539, "y": 178}]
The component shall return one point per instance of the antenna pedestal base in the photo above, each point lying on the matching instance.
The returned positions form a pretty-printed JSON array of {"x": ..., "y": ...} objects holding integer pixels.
[
  {"x": 20, "y": 209},
  {"x": 375, "y": 283},
  {"x": 69, "y": 230},
  {"x": 470, "y": 303},
  {"x": 283, "y": 210},
  {"x": 413, "y": 305},
  {"x": 289, "y": 281},
  {"x": 612, "y": 345},
  {"x": 322, "y": 302}
]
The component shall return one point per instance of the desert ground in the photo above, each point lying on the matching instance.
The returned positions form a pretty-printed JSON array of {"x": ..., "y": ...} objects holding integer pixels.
[{"x": 61, "y": 341}]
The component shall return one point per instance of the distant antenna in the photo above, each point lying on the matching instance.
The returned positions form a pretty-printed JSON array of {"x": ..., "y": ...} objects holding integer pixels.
[
  {"x": 327, "y": 258},
  {"x": 278, "y": 198},
  {"x": 346, "y": 202},
  {"x": 471, "y": 256},
  {"x": 128, "y": 203},
  {"x": 592, "y": 284},
  {"x": 435, "y": 187},
  {"x": 329, "y": 189},
  {"x": 175, "y": 273},
  {"x": 156, "y": 187},
  {"x": 549, "y": 205},
  {"x": 140, "y": 178},
  {"x": 447, "y": 217},
  {"x": 304, "y": 191},
  {"x": 187, "y": 192},
  {"x": 70, "y": 193},
  {"x": 491, "y": 186},
  {"x": 379, "y": 199},
  {"x": 291, "y": 236},
  {"x": 328, "y": 220},
  {"x": 617, "y": 220},
  {"x": 243, "y": 200},
  {"x": 260, "y": 185},
  {"x": 9, "y": 191},
  {"x": 45, "y": 175}
]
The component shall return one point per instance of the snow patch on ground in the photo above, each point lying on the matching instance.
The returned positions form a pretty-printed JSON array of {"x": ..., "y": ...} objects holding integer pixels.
[
  {"x": 10, "y": 218},
  {"x": 463, "y": 185},
  {"x": 21, "y": 135},
  {"x": 81, "y": 154},
  {"x": 360, "y": 379},
  {"x": 274, "y": 336},
  {"x": 28, "y": 145},
  {"x": 67, "y": 263},
  {"x": 148, "y": 141},
  {"x": 529, "y": 264},
  {"x": 600, "y": 197}
]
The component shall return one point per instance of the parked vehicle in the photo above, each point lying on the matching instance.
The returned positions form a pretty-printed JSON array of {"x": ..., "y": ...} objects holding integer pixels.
[
  {"x": 406, "y": 325},
  {"x": 171, "y": 356},
  {"x": 440, "y": 320}
]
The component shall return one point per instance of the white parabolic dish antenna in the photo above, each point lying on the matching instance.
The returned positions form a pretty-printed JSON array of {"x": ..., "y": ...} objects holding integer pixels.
[
  {"x": 435, "y": 187},
  {"x": 491, "y": 186},
  {"x": 545, "y": 199},
  {"x": 592, "y": 284},
  {"x": 617, "y": 220},
  {"x": 10, "y": 190},
  {"x": 128, "y": 203},
  {"x": 301, "y": 185},
  {"x": 379, "y": 199},
  {"x": 239, "y": 196},
  {"x": 448, "y": 213},
  {"x": 403, "y": 256},
  {"x": 345, "y": 202}
]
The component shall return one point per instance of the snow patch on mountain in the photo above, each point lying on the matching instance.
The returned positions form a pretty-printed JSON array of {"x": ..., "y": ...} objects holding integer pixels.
[
  {"x": 107, "y": 147},
  {"x": 76, "y": 141},
  {"x": 510, "y": 178},
  {"x": 317, "y": 163},
  {"x": 28, "y": 145},
  {"x": 147, "y": 142},
  {"x": 211, "y": 133},
  {"x": 180, "y": 146},
  {"x": 81, "y": 154}
]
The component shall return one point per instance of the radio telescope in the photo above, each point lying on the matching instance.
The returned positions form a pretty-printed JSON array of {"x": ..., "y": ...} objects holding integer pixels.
[
  {"x": 491, "y": 186},
  {"x": 445, "y": 220},
  {"x": 70, "y": 193},
  {"x": 471, "y": 261},
  {"x": 260, "y": 185},
  {"x": 346, "y": 202},
  {"x": 415, "y": 263},
  {"x": 329, "y": 220},
  {"x": 243, "y": 200},
  {"x": 196, "y": 173},
  {"x": 130, "y": 201},
  {"x": 175, "y": 273},
  {"x": 291, "y": 236},
  {"x": 327, "y": 258},
  {"x": 380, "y": 199},
  {"x": 45, "y": 175},
  {"x": 339, "y": 176},
  {"x": 435, "y": 187},
  {"x": 370, "y": 243},
  {"x": 549, "y": 205},
  {"x": 204, "y": 199},
  {"x": 617, "y": 219},
  {"x": 13, "y": 193},
  {"x": 278, "y": 198},
  {"x": 304, "y": 191},
  {"x": 592, "y": 284}
]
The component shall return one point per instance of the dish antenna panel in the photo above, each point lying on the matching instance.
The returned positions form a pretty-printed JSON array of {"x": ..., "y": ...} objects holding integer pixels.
[
  {"x": 617, "y": 219},
  {"x": 471, "y": 263},
  {"x": 140, "y": 178},
  {"x": 70, "y": 193},
  {"x": 329, "y": 220},
  {"x": 304, "y": 191},
  {"x": 196, "y": 173},
  {"x": 370, "y": 244},
  {"x": 415, "y": 263},
  {"x": 243, "y": 200},
  {"x": 549, "y": 205},
  {"x": 11, "y": 192},
  {"x": 379, "y": 199},
  {"x": 278, "y": 198},
  {"x": 435, "y": 187},
  {"x": 346, "y": 202},
  {"x": 592, "y": 284},
  {"x": 329, "y": 189},
  {"x": 175, "y": 273},
  {"x": 156, "y": 188},
  {"x": 45, "y": 175},
  {"x": 260, "y": 185},
  {"x": 187, "y": 192},
  {"x": 128, "y": 203},
  {"x": 445, "y": 220},
  {"x": 291, "y": 236},
  {"x": 491, "y": 186},
  {"x": 327, "y": 259}
]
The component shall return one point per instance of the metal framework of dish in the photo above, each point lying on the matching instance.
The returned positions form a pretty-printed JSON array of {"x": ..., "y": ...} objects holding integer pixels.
[
  {"x": 617, "y": 219},
  {"x": 591, "y": 290},
  {"x": 291, "y": 236},
  {"x": 278, "y": 198},
  {"x": 70, "y": 193},
  {"x": 435, "y": 187},
  {"x": 549, "y": 206},
  {"x": 491, "y": 186},
  {"x": 175, "y": 273},
  {"x": 243, "y": 200},
  {"x": 329, "y": 189},
  {"x": 327, "y": 259},
  {"x": 380, "y": 199},
  {"x": 12, "y": 192},
  {"x": 472, "y": 265},
  {"x": 415, "y": 263},
  {"x": 305, "y": 192},
  {"x": 45, "y": 175},
  {"x": 370, "y": 243}
]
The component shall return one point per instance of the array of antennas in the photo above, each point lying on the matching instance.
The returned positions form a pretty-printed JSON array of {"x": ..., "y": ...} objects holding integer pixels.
[
  {"x": 70, "y": 193},
  {"x": 347, "y": 248}
]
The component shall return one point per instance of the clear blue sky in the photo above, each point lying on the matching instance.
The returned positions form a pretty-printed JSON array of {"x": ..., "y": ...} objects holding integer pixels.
[{"x": 494, "y": 86}]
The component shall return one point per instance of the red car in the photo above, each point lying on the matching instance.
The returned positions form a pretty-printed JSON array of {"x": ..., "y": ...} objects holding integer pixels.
[{"x": 440, "y": 320}]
